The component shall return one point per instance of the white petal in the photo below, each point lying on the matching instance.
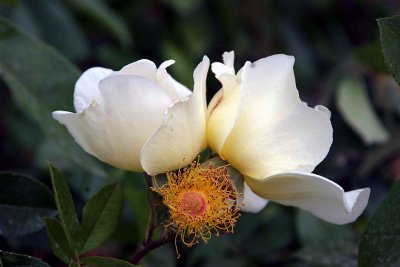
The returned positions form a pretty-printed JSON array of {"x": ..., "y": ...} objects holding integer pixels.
[
  {"x": 265, "y": 129},
  {"x": 298, "y": 140},
  {"x": 224, "y": 110},
  {"x": 87, "y": 87},
  {"x": 176, "y": 90},
  {"x": 226, "y": 67},
  {"x": 148, "y": 69},
  {"x": 91, "y": 132},
  {"x": 182, "y": 136},
  {"x": 252, "y": 202},
  {"x": 322, "y": 197},
  {"x": 76, "y": 127},
  {"x": 143, "y": 67},
  {"x": 115, "y": 131},
  {"x": 324, "y": 109}
]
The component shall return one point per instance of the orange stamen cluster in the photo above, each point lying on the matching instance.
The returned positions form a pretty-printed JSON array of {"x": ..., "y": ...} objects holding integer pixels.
[{"x": 202, "y": 201}]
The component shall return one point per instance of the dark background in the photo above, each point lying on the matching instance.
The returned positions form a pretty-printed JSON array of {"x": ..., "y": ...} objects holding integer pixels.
[{"x": 336, "y": 46}]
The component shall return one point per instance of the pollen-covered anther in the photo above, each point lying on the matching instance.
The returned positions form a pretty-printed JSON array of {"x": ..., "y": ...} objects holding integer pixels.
[{"x": 202, "y": 202}]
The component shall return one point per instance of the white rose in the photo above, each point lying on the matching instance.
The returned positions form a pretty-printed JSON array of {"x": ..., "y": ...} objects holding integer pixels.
[
  {"x": 258, "y": 124},
  {"x": 139, "y": 118}
]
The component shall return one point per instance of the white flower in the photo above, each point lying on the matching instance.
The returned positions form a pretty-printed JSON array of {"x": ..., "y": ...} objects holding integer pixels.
[
  {"x": 139, "y": 118},
  {"x": 258, "y": 124}
]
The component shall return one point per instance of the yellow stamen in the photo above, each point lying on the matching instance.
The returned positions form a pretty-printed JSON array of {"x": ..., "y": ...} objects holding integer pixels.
[{"x": 202, "y": 201}]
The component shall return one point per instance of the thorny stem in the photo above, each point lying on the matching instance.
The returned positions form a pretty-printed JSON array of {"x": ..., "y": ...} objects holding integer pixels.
[{"x": 149, "y": 244}]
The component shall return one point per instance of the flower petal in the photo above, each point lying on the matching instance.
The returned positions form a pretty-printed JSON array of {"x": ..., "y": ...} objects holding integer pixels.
[
  {"x": 143, "y": 67},
  {"x": 115, "y": 131},
  {"x": 176, "y": 90},
  {"x": 87, "y": 87},
  {"x": 182, "y": 135},
  {"x": 148, "y": 69},
  {"x": 322, "y": 197},
  {"x": 297, "y": 141},
  {"x": 92, "y": 133},
  {"x": 77, "y": 128},
  {"x": 324, "y": 109},
  {"x": 225, "y": 106},
  {"x": 252, "y": 202},
  {"x": 252, "y": 126},
  {"x": 226, "y": 67}
]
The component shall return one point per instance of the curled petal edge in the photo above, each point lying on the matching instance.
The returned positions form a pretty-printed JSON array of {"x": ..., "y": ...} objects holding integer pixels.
[{"x": 316, "y": 194}]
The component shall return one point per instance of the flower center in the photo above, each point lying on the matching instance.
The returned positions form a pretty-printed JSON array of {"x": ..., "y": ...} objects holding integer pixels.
[
  {"x": 193, "y": 203},
  {"x": 202, "y": 202}
]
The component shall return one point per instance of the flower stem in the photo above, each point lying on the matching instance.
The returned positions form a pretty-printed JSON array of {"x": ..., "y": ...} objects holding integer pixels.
[
  {"x": 148, "y": 243},
  {"x": 151, "y": 244},
  {"x": 151, "y": 221}
]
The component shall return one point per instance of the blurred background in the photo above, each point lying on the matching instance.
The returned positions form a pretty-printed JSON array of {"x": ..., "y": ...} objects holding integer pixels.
[{"x": 339, "y": 64}]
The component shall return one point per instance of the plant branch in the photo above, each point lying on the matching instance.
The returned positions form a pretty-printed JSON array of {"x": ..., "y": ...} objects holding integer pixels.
[
  {"x": 151, "y": 244},
  {"x": 151, "y": 221}
]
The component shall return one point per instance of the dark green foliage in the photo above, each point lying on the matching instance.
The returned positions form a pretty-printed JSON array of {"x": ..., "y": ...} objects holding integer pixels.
[
  {"x": 325, "y": 244},
  {"x": 8, "y": 259},
  {"x": 58, "y": 240},
  {"x": 105, "y": 262},
  {"x": 339, "y": 64},
  {"x": 68, "y": 238},
  {"x": 390, "y": 41},
  {"x": 380, "y": 245},
  {"x": 24, "y": 203},
  {"x": 106, "y": 17},
  {"x": 66, "y": 209},
  {"x": 41, "y": 86},
  {"x": 100, "y": 216}
]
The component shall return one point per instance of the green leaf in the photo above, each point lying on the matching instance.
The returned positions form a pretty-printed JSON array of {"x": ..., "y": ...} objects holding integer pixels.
[
  {"x": 41, "y": 81},
  {"x": 105, "y": 262},
  {"x": 371, "y": 54},
  {"x": 315, "y": 232},
  {"x": 253, "y": 235},
  {"x": 59, "y": 28},
  {"x": 84, "y": 183},
  {"x": 105, "y": 16},
  {"x": 58, "y": 240},
  {"x": 100, "y": 216},
  {"x": 216, "y": 252},
  {"x": 324, "y": 244},
  {"x": 390, "y": 42},
  {"x": 22, "y": 60},
  {"x": 380, "y": 244},
  {"x": 354, "y": 105},
  {"x": 18, "y": 260},
  {"x": 334, "y": 255},
  {"x": 52, "y": 22},
  {"x": 24, "y": 202},
  {"x": 66, "y": 208}
]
